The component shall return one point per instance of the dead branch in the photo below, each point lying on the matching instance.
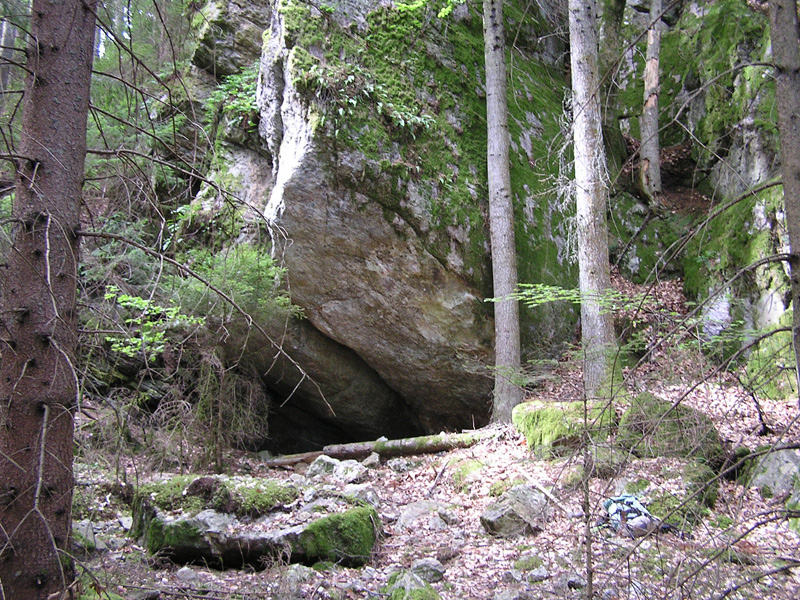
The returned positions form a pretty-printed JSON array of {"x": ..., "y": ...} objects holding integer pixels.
[{"x": 426, "y": 444}]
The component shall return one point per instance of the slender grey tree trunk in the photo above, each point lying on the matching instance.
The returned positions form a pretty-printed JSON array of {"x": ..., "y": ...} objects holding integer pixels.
[
  {"x": 591, "y": 191},
  {"x": 786, "y": 56},
  {"x": 650, "y": 162},
  {"x": 501, "y": 216},
  {"x": 38, "y": 383}
]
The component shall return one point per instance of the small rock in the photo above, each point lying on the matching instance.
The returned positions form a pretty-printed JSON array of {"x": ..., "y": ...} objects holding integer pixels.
[
  {"x": 512, "y": 576},
  {"x": 522, "y": 509},
  {"x": 363, "y": 491},
  {"x": 406, "y": 586},
  {"x": 373, "y": 461},
  {"x": 186, "y": 574},
  {"x": 293, "y": 577},
  {"x": 322, "y": 465},
  {"x": 538, "y": 574},
  {"x": 349, "y": 471},
  {"x": 85, "y": 538},
  {"x": 126, "y": 522},
  {"x": 429, "y": 510},
  {"x": 428, "y": 569},
  {"x": 400, "y": 465},
  {"x": 513, "y": 593},
  {"x": 265, "y": 455},
  {"x": 574, "y": 582}
]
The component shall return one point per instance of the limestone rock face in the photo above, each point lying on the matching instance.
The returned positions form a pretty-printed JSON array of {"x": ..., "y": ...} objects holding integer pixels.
[
  {"x": 361, "y": 273},
  {"x": 229, "y": 35}
]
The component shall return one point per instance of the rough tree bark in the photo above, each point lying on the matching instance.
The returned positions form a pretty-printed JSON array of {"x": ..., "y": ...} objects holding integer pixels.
[
  {"x": 501, "y": 216},
  {"x": 38, "y": 384},
  {"x": 786, "y": 56},
  {"x": 650, "y": 162},
  {"x": 591, "y": 191}
]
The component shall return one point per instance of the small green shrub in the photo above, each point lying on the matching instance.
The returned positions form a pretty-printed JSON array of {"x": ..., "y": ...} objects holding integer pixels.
[{"x": 148, "y": 325}]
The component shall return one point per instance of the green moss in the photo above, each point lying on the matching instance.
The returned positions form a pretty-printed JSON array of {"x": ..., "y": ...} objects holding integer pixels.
[
  {"x": 243, "y": 496},
  {"x": 260, "y": 496},
  {"x": 498, "y": 488},
  {"x": 763, "y": 374},
  {"x": 464, "y": 472},
  {"x": 556, "y": 427},
  {"x": 681, "y": 512},
  {"x": 168, "y": 495},
  {"x": 403, "y": 585},
  {"x": 702, "y": 483},
  {"x": 638, "y": 486},
  {"x": 652, "y": 427},
  {"x": 723, "y": 522},
  {"x": 529, "y": 562},
  {"x": 162, "y": 535},
  {"x": 404, "y": 95},
  {"x": 346, "y": 538}
]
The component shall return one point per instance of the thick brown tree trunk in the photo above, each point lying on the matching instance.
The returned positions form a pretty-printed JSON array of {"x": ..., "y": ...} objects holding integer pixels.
[
  {"x": 501, "y": 217},
  {"x": 786, "y": 55},
  {"x": 38, "y": 384},
  {"x": 591, "y": 195}
]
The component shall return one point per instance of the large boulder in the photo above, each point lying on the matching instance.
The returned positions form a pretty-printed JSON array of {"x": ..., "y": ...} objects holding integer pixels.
[
  {"x": 558, "y": 427},
  {"x": 167, "y": 520},
  {"x": 653, "y": 427}
]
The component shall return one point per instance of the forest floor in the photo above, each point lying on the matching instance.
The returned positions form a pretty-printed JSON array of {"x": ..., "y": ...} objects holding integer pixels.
[
  {"x": 742, "y": 549},
  {"x": 479, "y": 565}
]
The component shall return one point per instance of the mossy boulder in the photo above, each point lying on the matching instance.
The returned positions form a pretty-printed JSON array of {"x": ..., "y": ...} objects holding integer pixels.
[
  {"x": 405, "y": 585},
  {"x": 187, "y": 517},
  {"x": 346, "y": 538},
  {"x": 189, "y": 494},
  {"x": 557, "y": 428},
  {"x": 653, "y": 427}
]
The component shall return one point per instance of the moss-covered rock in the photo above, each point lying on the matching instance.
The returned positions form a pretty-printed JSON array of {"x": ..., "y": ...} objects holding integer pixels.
[
  {"x": 653, "y": 427},
  {"x": 405, "y": 585},
  {"x": 189, "y": 494},
  {"x": 346, "y": 538},
  {"x": 557, "y": 428}
]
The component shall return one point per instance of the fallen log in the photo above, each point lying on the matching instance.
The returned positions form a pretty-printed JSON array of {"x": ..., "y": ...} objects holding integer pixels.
[{"x": 426, "y": 444}]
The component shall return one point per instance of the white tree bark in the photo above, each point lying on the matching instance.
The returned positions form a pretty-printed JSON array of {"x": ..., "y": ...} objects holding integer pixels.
[
  {"x": 501, "y": 216},
  {"x": 650, "y": 163},
  {"x": 591, "y": 191}
]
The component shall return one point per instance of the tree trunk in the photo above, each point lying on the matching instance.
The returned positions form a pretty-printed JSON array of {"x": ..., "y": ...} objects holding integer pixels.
[
  {"x": 38, "y": 383},
  {"x": 501, "y": 217},
  {"x": 786, "y": 55},
  {"x": 591, "y": 192},
  {"x": 426, "y": 444},
  {"x": 649, "y": 160}
]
